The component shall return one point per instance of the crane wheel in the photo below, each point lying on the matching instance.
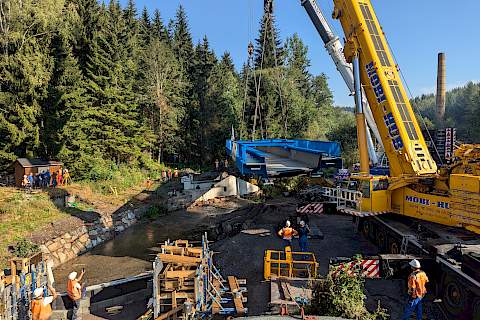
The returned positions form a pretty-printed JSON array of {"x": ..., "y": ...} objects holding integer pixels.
[
  {"x": 394, "y": 247},
  {"x": 454, "y": 296},
  {"x": 366, "y": 229},
  {"x": 381, "y": 241},
  {"x": 476, "y": 308}
]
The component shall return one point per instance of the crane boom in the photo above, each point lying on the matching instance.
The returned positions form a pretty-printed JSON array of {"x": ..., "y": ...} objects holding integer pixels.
[
  {"x": 335, "y": 50},
  {"x": 402, "y": 138}
]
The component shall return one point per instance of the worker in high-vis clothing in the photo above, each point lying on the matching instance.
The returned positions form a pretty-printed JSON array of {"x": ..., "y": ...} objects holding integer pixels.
[
  {"x": 74, "y": 291},
  {"x": 416, "y": 291},
  {"x": 41, "y": 306},
  {"x": 287, "y": 233}
]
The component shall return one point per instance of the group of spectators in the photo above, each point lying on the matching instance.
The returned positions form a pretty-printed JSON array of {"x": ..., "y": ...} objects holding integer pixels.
[
  {"x": 46, "y": 179},
  {"x": 225, "y": 165},
  {"x": 168, "y": 175}
]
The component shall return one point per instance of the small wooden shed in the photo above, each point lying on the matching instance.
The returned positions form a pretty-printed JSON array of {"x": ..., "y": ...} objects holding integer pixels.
[{"x": 34, "y": 166}]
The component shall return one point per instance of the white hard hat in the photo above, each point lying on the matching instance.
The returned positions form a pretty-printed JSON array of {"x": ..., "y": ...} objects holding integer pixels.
[
  {"x": 287, "y": 223},
  {"x": 415, "y": 264},
  {"x": 37, "y": 293},
  {"x": 72, "y": 275},
  {"x": 302, "y": 223}
]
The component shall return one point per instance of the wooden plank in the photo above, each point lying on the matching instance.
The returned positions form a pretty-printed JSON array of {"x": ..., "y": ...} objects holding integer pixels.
[
  {"x": 169, "y": 313},
  {"x": 174, "y": 304},
  {"x": 232, "y": 282},
  {"x": 179, "y": 295},
  {"x": 185, "y": 251},
  {"x": 180, "y": 274},
  {"x": 286, "y": 292},
  {"x": 179, "y": 259}
]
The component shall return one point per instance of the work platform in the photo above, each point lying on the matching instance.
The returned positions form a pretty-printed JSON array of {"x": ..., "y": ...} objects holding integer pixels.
[{"x": 281, "y": 157}]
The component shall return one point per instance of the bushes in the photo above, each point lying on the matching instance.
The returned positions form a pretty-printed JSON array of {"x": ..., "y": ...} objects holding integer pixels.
[
  {"x": 343, "y": 296},
  {"x": 156, "y": 211},
  {"x": 24, "y": 248}
]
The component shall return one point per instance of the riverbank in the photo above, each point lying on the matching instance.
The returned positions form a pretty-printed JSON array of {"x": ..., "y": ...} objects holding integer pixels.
[
  {"x": 132, "y": 251},
  {"x": 41, "y": 215}
]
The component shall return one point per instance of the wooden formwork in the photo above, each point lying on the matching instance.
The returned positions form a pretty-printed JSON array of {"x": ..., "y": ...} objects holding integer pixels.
[{"x": 187, "y": 284}]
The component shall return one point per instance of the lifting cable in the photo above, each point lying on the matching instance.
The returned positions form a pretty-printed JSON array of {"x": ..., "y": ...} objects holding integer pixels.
[
  {"x": 284, "y": 111},
  {"x": 247, "y": 71},
  {"x": 258, "y": 109},
  {"x": 258, "y": 80}
]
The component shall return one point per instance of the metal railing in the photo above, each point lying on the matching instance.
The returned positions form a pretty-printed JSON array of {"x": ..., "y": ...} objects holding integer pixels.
[
  {"x": 343, "y": 197},
  {"x": 288, "y": 264}
]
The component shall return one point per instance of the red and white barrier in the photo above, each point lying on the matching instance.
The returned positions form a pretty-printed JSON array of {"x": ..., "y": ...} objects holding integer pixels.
[
  {"x": 315, "y": 207},
  {"x": 368, "y": 268}
]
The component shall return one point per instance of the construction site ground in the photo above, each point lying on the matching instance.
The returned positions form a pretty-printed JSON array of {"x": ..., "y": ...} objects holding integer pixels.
[{"x": 237, "y": 253}]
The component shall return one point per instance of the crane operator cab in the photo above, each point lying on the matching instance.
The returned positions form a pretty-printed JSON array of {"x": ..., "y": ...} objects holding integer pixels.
[{"x": 367, "y": 193}]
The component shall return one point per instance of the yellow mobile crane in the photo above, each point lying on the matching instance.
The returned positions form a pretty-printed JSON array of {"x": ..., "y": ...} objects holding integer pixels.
[
  {"x": 443, "y": 202},
  {"x": 415, "y": 187}
]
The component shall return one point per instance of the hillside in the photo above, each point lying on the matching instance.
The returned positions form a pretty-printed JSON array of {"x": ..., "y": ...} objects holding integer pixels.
[{"x": 462, "y": 111}]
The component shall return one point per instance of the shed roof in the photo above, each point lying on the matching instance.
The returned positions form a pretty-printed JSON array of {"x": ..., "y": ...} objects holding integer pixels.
[{"x": 28, "y": 163}]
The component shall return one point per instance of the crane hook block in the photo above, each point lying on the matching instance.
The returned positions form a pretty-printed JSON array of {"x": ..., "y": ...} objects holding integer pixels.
[{"x": 250, "y": 49}]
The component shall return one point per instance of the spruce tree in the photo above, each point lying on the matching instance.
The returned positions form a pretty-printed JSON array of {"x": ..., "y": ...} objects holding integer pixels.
[
  {"x": 297, "y": 63},
  {"x": 182, "y": 39},
  {"x": 204, "y": 61},
  {"x": 227, "y": 62},
  {"x": 114, "y": 114},
  {"x": 145, "y": 31},
  {"x": 87, "y": 11},
  {"x": 224, "y": 99},
  {"x": 183, "y": 49},
  {"x": 158, "y": 28}
]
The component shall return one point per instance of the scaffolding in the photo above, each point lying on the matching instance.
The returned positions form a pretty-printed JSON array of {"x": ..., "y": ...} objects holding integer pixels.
[
  {"x": 18, "y": 283},
  {"x": 187, "y": 285}
]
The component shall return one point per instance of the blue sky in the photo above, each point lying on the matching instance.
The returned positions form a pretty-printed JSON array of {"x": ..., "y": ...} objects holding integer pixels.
[{"x": 416, "y": 29}]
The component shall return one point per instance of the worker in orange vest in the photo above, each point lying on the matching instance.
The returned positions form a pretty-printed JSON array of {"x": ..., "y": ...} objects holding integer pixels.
[
  {"x": 41, "y": 306},
  {"x": 74, "y": 291},
  {"x": 287, "y": 233},
  {"x": 416, "y": 291}
]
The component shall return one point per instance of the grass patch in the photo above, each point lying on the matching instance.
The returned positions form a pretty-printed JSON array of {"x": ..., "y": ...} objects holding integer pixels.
[
  {"x": 121, "y": 184},
  {"x": 21, "y": 214}
]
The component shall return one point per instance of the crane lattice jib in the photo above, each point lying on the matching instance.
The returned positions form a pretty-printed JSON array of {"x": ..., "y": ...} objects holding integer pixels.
[{"x": 404, "y": 144}]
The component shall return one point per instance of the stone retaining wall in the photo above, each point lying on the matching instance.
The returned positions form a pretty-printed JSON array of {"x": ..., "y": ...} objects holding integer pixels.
[{"x": 73, "y": 243}]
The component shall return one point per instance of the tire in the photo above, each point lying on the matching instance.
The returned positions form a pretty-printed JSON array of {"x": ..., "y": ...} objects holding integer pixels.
[
  {"x": 393, "y": 247},
  {"x": 454, "y": 296},
  {"x": 366, "y": 228},
  {"x": 381, "y": 241}
]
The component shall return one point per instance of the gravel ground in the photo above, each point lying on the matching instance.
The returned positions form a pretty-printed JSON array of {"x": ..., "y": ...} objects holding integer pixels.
[{"x": 242, "y": 256}]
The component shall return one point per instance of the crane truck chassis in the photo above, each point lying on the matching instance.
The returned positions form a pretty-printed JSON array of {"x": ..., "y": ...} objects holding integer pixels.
[{"x": 450, "y": 256}]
